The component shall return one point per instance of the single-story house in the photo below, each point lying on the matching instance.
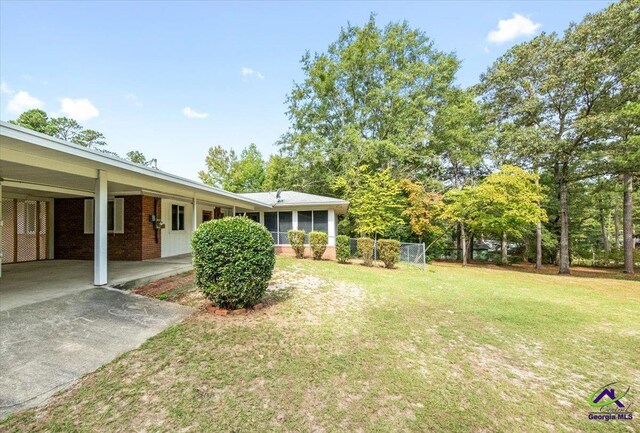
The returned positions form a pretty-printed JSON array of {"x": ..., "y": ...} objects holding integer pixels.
[{"x": 63, "y": 201}]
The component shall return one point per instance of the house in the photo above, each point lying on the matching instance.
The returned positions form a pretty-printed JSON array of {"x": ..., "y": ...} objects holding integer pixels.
[{"x": 63, "y": 201}]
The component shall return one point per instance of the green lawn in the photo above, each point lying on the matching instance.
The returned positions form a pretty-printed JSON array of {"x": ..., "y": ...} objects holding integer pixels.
[{"x": 343, "y": 348}]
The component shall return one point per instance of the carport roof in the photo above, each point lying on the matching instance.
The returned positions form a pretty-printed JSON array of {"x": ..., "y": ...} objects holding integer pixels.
[{"x": 48, "y": 144}]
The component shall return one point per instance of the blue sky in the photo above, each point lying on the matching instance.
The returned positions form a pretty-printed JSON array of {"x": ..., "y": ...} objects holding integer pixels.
[{"x": 173, "y": 79}]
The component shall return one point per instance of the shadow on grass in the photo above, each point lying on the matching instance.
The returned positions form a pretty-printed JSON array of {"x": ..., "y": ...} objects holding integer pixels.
[{"x": 576, "y": 271}]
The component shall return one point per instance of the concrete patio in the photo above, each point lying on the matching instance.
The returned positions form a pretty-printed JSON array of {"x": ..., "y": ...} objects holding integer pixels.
[{"x": 27, "y": 283}]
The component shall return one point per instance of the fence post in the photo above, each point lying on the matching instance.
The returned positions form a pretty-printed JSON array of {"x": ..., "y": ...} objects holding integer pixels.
[{"x": 424, "y": 257}]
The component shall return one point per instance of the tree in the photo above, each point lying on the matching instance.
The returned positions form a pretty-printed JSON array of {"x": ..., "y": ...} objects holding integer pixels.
[
  {"x": 65, "y": 128},
  {"x": 368, "y": 100},
  {"x": 36, "y": 120},
  {"x": 90, "y": 139},
  {"x": 375, "y": 199},
  {"x": 460, "y": 138},
  {"x": 423, "y": 208},
  {"x": 506, "y": 203},
  {"x": 281, "y": 173},
  {"x": 226, "y": 170}
]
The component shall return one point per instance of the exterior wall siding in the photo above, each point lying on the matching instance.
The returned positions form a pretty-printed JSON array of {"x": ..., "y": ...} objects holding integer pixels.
[{"x": 136, "y": 243}]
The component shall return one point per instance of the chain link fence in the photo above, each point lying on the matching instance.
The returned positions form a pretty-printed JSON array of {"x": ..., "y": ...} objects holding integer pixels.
[{"x": 410, "y": 253}]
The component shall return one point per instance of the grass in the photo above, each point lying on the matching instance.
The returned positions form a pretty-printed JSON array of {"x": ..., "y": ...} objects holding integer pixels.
[{"x": 346, "y": 348}]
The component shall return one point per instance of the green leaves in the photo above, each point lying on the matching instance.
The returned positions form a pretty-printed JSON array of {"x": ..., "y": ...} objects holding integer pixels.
[
  {"x": 375, "y": 199},
  {"x": 226, "y": 170}
]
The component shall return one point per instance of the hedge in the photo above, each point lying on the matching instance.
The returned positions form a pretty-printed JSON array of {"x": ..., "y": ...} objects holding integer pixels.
[
  {"x": 318, "y": 242},
  {"x": 389, "y": 252},
  {"x": 343, "y": 249},
  {"x": 233, "y": 259},
  {"x": 296, "y": 240},
  {"x": 365, "y": 250}
]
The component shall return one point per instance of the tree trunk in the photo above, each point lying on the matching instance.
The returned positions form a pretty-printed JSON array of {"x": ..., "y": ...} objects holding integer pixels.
[
  {"x": 627, "y": 224},
  {"x": 538, "y": 234},
  {"x": 616, "y": 225},
  {"x": 463, "y": 238},
  {"x": 538, "y": 246},
  {"x": 605, "y": 236},
  {"x": 564, "y": 223},
  {"x": 503, "y": 249},
  {"x": 459, "y": 243}
]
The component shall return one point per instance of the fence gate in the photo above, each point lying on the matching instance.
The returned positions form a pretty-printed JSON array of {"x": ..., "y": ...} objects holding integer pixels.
[{"x": 25, "y": 230}]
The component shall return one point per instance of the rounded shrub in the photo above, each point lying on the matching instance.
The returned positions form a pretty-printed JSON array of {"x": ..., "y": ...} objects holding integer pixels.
[
  {"x": 233, "y": 259},
  {"x": 343, "y": 249},
  {"x": 296, "y": 240},
  {"x": 388, "y": 252},
  {"x": 318, "y": 242},
  {"x": 365, "y": 250}
]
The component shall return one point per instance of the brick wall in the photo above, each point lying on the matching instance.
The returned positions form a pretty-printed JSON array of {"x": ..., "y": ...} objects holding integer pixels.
[{"x": 136, "y": 243}]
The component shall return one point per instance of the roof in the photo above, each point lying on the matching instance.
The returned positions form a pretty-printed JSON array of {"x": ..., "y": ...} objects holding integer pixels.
[
  {"x": 294, "y": 198},
  {"x": 45, "y": 141}
]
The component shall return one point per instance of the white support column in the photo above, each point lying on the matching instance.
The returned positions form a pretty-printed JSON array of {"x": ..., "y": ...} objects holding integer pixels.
[
  {"x": 294, "y": 220},
  {"x": 195, "y": 215},
  {"x": 234, "y": 211},
  {"x": 261, "y": 217},
  {"x": 1, "y": 224},
  {"x": 331, "y": 232},
  {"x": 100, "y": 252}
]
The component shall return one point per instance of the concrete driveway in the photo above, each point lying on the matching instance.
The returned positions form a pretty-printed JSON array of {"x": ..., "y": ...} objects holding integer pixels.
[{"x": 47, "y": 345}]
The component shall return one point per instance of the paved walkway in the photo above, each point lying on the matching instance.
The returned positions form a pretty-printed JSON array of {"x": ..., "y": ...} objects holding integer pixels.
[{"x": 55, "y": 326}]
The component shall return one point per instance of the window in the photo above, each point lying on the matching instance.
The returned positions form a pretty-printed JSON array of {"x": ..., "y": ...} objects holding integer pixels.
[
  {"x": 177, "y": 217},
  {"x": 317, "y": 220},
  {"x": 271, "y": 223},
  {"x": 253, "y": 216},
  {"x": 110, "y": 215},
  {"x": 285, "y": 223},
  {"x": 115, "y": 215},
  {"x": 321, "y": 221}
]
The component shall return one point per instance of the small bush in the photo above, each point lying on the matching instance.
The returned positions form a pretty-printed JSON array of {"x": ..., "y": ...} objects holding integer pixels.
[
  {"x": 296, "y": 240},
  {"x": 389, "y": 252},
  {"x": 318, "y": 242},
  {"x": 233, "y": 259},
  {"x": 343, "y": 249},
  {"x": 365, "y": 250}
]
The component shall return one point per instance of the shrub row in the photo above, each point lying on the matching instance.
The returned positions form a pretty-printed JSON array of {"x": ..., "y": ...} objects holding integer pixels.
[{"x": 317, "y": 241}]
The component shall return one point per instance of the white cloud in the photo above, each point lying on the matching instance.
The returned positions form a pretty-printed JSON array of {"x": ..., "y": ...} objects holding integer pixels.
[
  {"x": 248, "y": 72},
  {"x": 486, "y": 50},
  {"x": 512, "y": 28},
  {"x": 131, "y": 97},
  {"x": 4, "y": 88},
  {"x": 78, "y": 109},
  {"x": 22, "y": 101},
  {"x": 193, "y": 114}
]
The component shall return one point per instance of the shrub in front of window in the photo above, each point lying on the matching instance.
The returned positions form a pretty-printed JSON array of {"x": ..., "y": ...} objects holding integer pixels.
[
  {"x": 388, "y": 252},
  {"x": 365, "y": 250},
  {"x": 296, "y": 240},
  {"x": 343, "y": 249},
  {"x": 318, "y": 242},
  {"x": 233, "y": 259}
]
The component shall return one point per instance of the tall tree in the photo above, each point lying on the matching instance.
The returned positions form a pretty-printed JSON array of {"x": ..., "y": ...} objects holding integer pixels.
[
  {"x": 237, "y": 174},
  {"x": 368, "y": 100}
]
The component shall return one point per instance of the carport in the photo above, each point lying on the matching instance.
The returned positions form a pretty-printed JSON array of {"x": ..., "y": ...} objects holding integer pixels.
[{"x": 62, "y": 201}]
